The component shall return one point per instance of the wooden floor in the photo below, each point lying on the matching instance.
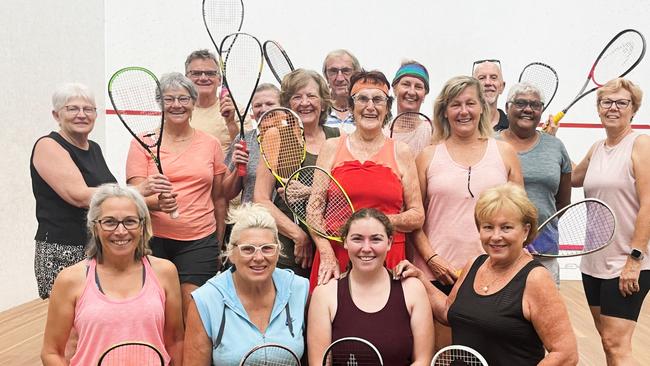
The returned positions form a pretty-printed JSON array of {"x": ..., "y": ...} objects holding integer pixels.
[{"x": 21, "y": 331}]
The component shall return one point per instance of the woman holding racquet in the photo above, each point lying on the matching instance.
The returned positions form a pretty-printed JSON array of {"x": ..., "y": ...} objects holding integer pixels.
[
  {"x": 252, "y": 303},
  {"x": 306, "y": 93},
  {"x": 368, "y": 303},
  {"x": 463, "y": 162},
  {"x": 66, "y": 167},
  {"x": 505, "y": 304},
  {"x": 193, "y": 161},
  {"x": 615, "y": 170},
  {"x": 374, "y": 170},
  {"x": 120, "y": 293},
  {"x": 545, "y": 163}
]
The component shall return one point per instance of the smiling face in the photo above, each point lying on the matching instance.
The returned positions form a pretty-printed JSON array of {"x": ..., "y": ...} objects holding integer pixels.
[
  {"x": 409, "y": 92},
  {"x": 179, "y": 110},
  {"x": 616, "y": 117},
  {"x": 338, "y": 71},
  {"x": 258, "y": 267},
  {"x": 121, "y": 241},
  {"x": 264, "y": 101},
  {"x": 72, "y": 118},
  {"x": 489, "y": 74},
  {"x": 369, "y": 109},
  {"x": 528, "y": 118},
  {"x": 306, "y": 102},
  {"x": 204, "y": 73},
  {"x": 367, "y": 243},
  {"x": 503, "y": 235},
  {"x": 464, "y": 113}
]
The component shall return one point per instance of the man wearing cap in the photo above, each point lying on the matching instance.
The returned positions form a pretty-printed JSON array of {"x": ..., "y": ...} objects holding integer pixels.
[
  {"x": 488, "y": 72},
  {"x": 338, "y": 66},
  {"x": 410, "y": 85}
]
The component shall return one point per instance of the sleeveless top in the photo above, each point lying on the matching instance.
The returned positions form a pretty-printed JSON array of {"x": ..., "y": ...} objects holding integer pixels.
[
  {"x": 58, "y": 221},
  {"x": 102, "y": 322},
  {"x": 374, "y": 183},
  {"x": 388, "y": 329},
  {"x": 287, "y": 260},
  {"x": 610, "y": 178},
  {"x": 449, "y": 221},
  {"x": 494, "y": 325}
]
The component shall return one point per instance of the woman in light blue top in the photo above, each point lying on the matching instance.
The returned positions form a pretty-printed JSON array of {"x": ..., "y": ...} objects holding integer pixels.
[{"x": 251, "y": 304}]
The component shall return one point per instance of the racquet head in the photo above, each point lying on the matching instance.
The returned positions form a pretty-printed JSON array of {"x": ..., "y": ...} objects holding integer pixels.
[
  {"x": 222, "y": 17},
  {"x": 136, "y": 98},
  {"x": 318, "y": 201},
  {"x": 456, "y": 355},
  {"x": 543, "y": 77},
  {"x": 580, "y": 228},
  {"x": 620, "y": 56},
  {"x": 242, "y": 68},
  {"x": 270, "y": 355},
  {"x": 412, "y": 128},
  {"x": 352, "y": 351},
  {"x": 131, "y": 353},
  {"x": 282, "y": 142},
  {"x": 277, "y": 59}
]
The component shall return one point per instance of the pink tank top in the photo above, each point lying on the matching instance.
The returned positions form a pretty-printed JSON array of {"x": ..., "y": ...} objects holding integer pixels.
[
  {"x": 610, "y": 178},
  {"x": 449, "y": 221},
  {"x": 102, "y": 322}
]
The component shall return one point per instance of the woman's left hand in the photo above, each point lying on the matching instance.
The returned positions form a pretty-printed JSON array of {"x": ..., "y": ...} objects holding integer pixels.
[
  {"x": 628, "y": 283},
  {"x": 406, "y": 269},
  {"x": 239, "y": 154},
  {"x": 154, "y": 184}
]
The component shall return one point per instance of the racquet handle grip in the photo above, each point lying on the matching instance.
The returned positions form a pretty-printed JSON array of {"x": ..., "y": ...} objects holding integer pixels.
[
  {"x": 241, "y": 167},
  {"x": 174, "y": 214},
  {"x": 558, "y": 117}
]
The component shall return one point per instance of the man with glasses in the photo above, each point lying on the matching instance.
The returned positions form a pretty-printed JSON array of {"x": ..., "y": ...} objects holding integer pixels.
[
  {"x": 338, "y": 66},
  {"x": 488, "y": 72},
  {"x": 202, "y": 68}
]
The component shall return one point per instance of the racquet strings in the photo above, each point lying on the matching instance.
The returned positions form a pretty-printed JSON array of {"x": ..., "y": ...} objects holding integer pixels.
[
  {"x": 351, "y": 352},
  {"x": 270, "y": 355},
  {"x": 457, "y": 357},
  {"x": 242, "y": 70},
  {"x": 134, "y": 94},
  {"x": 281, "y": 142},
  {"x": 621, "y": 55},
  {"x": 277, "y": 61},
  {"x": 544, "y": 78},
  {"x": 414, "y": 129},
  {"x": 222, "y": 17},
  {"x": 317, "y": 200},
  {"x": 132, "y": 354}
]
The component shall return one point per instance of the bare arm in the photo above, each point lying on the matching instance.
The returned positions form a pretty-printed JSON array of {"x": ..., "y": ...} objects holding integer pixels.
[
  {"x": 173, "y": 331},
  {"x": 220, "y": 205},
  {"x": 511, "y": 161},
  {"x": 580, "y": 170},
  {"x": 563, "y": 196},
  {"x": 197, "y": 345},
  {"x": 412, "y": 217},
  {"x": 419, "y": 308},
  {"x": 544, "y": 308},
  {"x": 232, "y": 182},
  {"x": 320, "y": 316}
]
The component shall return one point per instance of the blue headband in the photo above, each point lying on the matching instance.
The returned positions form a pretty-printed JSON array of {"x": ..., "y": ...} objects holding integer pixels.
[{"x": 414, "y": 70}]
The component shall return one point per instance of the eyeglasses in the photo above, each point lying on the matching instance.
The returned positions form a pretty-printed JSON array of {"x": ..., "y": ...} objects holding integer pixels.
[
  {"x": 297, "y": 98},
  {"x": 521, "y": 104},
  {"x": 478, "y": 62},
  {"x": 334, "y": 71},
  {"x": 364, "y": 100},
  {"x": 620, "y": 104},
  {"x": 207, "y": 73},
  {"x": 182, "y": 99},
  {"x": 111, "y": 224},
  {"x": 74, "y": 110},
  {"x": 469, "y": 174},
  {"x": 249, "y": 250}
]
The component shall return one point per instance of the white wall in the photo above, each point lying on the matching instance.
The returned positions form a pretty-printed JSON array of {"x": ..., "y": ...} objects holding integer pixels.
[{"x": 45, "y": 43}]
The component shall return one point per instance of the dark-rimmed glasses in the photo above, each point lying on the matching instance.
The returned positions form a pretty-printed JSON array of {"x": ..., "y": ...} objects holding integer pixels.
[
  {"x": 207, "y": 73},
  {"x": 620, "y": 103},
  {"x": 111, "y": 223},
  {"x": 521, "y": 104},
  {"x": 478, "y": 62}
]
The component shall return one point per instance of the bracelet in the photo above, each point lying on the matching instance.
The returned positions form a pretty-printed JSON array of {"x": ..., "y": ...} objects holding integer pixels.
[{"x": 430, "y": 258}]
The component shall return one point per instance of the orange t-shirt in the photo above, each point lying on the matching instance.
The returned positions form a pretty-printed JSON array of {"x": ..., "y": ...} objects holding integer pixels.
[{"x": 191, "y": 173}]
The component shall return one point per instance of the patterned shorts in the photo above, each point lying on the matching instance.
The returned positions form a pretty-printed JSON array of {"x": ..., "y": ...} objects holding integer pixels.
[{"x": 50, "y": 259}]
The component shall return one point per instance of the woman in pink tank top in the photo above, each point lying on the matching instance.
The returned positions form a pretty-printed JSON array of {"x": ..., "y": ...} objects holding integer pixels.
[
  {"x": 615, "y": 170},
  {"x": 463, "y": 162},
  {"x": 120, "y": 293}
]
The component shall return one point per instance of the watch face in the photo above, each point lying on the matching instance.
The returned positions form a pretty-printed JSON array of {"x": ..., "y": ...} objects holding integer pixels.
[{"x": 636, "y": 254}]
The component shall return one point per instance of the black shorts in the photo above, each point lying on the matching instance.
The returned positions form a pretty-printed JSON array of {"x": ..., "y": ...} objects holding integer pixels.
[
  {"x": 196, "y": 260},
  {"x": 605, "y": 294}
]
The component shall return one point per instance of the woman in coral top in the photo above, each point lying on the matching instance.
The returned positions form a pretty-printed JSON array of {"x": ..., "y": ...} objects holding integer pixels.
[
  {"x": 376, "y": 172},
  {"x": 120, "y": 293}
]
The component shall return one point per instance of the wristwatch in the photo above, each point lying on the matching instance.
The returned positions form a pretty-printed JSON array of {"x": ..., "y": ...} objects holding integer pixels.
[{"x": 637, "y": 254}]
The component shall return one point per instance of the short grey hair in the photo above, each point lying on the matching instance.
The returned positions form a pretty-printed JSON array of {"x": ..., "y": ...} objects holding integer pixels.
[
  {"x": 64, "y": 92},
  {"x": 112, "y": 190},
  {"x": 356, "y": 66},
  {"x": 250, "y": 216},
  {"x": 203, "y": 54},
  {"x": 176, "y": 80},
  {"x": 525, "y": 88},
  {"x": 267, "y": 86}
]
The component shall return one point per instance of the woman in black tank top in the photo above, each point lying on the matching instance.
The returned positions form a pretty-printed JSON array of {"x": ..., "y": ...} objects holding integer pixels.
[
  {"x": 367, "y": 303},
  {"x": 505, "y": 304}
]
